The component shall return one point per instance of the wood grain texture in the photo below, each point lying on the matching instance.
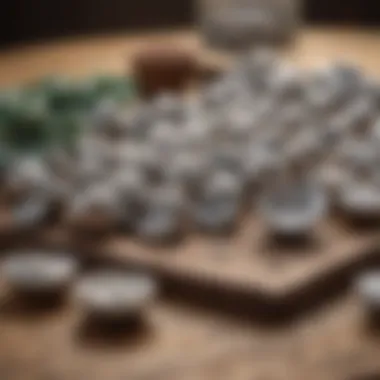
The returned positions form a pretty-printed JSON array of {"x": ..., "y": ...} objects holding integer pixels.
[
  {"x": 80, "y": 57},
  {"x": 244, "y": 273},
  {"x": 179, "y": 343},
  {"x": 249, "y": 259}
]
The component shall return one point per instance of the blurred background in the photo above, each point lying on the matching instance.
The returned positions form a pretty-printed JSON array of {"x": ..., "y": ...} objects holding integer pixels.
[{"x": 25, "y": 20}]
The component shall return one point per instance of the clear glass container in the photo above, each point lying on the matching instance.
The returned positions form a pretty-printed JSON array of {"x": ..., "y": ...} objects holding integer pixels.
[{"x": 242, "y": 24}]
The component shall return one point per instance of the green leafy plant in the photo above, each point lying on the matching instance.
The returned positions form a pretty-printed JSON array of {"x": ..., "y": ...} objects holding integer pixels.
[{"x": 52, "y": 111}]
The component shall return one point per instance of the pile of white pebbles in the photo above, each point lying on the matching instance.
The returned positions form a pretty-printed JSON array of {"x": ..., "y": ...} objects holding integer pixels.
[{"x": 266, "y": 137}]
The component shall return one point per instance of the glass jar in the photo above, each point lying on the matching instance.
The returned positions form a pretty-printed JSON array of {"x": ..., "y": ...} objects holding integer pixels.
[{"x": 241, "y": 24}]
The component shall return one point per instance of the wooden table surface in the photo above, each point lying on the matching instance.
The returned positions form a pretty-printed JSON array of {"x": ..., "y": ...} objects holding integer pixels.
[
  {"x": 319, "y": 347},
  {"x": 84, "y": 56}
]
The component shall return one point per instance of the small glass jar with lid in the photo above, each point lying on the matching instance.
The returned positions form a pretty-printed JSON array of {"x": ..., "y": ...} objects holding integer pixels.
[{"x": 242, "y": 24}]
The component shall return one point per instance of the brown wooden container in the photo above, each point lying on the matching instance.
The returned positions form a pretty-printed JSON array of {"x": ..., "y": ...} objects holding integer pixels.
[{"x": 163, "y": 69}]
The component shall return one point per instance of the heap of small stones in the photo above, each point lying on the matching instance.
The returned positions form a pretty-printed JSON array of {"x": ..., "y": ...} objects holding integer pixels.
[{"x": 265, "y": 134}]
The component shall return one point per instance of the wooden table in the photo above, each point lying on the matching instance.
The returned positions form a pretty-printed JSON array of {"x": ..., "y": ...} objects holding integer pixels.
[
  {"x": 185, "y": 344},
  {"x": 85, "y": 56}
]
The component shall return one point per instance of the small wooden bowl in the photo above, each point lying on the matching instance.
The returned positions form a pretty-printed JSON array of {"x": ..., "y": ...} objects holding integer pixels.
[{"x": 162, "y": 68}]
